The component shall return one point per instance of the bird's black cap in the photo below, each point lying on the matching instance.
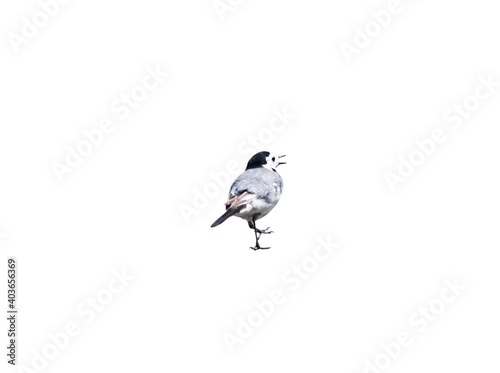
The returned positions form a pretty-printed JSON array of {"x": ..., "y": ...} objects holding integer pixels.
[{"x": 258, "y": 160}]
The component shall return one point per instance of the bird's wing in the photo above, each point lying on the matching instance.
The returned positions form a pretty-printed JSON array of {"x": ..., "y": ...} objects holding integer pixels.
[
  {"x": 252, "y": 184},
  {"x": 236, "y": 200}
]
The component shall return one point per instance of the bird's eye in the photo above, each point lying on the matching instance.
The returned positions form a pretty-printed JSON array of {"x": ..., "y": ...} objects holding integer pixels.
[{"x": 274, "y": 158}]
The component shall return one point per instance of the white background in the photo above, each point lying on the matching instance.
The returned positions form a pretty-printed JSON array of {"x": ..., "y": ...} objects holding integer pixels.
[{"x": 120, "y": 208}]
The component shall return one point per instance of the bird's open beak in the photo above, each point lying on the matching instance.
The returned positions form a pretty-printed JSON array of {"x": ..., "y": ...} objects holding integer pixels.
[{"x": 281, "y": 156}]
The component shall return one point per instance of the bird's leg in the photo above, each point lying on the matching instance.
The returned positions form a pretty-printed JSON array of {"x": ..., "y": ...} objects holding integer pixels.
[
  {"x": 257, "y": 246},
  {"x": 258, "y": 233},
  {"x": 252, "y": 225}
]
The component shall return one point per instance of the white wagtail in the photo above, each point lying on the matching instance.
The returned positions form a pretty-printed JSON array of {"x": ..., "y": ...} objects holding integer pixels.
[{"x": 255, "y": 193}]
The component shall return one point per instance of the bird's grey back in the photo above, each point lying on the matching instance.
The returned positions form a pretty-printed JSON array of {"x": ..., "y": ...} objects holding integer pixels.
[{"x": 260, "y": 181}]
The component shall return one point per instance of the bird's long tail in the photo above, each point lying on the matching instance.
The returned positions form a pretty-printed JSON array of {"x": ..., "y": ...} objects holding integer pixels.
[{"x": 230, "y": 212}]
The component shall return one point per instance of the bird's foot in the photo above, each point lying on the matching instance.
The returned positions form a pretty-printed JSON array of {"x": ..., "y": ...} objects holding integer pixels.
[
  {"x": 258, "y": 247},
  {"x": 264, "y": 231}
]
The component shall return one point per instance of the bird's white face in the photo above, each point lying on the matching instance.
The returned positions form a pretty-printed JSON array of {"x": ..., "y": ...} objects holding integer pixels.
[{"x": 273, "y": 161}]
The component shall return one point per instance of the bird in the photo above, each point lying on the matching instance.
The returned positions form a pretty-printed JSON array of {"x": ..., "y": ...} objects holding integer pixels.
[{"x": 255, "y": 192}]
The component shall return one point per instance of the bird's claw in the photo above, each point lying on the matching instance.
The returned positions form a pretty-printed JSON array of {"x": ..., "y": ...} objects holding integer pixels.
[
  {"x": 255, "y": 248},
  {"x": 264, "y": 231}
]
